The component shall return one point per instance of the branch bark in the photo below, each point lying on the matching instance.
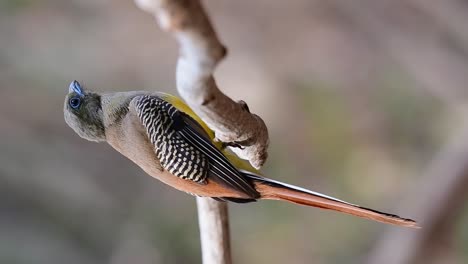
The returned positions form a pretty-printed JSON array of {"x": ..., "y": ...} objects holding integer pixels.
[
  {"x": 200, "y": 52},
  {"x": 213, "y": 220},
  {"x": 232, "y": 122}
]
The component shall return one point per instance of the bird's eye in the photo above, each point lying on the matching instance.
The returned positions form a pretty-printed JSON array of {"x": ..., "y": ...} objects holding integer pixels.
[{"x": 75, "y": 102}]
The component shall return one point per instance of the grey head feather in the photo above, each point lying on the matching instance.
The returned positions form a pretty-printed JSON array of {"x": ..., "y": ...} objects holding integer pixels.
[
  {"x": 86, "y": 119},
  {"x": 95, "y": 112}
]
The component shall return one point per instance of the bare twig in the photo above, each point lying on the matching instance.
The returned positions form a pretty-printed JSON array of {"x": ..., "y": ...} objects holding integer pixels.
[
  {"x": 200, "y": 52},
  {"x": 214, "y": 231}
]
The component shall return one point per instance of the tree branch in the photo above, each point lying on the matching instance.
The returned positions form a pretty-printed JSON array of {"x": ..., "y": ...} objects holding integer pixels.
[
  {"x": 214, "y": 231},
  {"x": 200, "y": 52}
]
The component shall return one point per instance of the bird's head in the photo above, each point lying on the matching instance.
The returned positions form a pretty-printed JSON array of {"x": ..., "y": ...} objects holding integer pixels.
[{"x": 83, "y": 113}]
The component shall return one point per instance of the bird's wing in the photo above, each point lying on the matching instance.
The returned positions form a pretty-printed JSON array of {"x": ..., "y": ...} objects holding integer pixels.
[
  {"x": 174, "y": 153},
  {"x": 183, "y": 147},
  {"x": 205, "y": 130}
]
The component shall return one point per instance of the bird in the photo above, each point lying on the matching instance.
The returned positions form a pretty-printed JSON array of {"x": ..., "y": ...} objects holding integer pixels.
[{"x": 165, "y": 138}]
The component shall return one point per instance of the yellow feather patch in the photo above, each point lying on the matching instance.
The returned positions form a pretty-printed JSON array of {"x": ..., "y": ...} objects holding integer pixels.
[{"x": 233, "y": 158}]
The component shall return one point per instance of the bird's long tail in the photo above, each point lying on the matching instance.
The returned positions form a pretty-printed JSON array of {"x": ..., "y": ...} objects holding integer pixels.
[{"x": 275, "y": 190}]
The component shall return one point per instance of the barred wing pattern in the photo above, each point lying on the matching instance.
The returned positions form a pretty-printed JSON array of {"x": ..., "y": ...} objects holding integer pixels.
[
  {"x": 220, "y": 166},
  {"x": 172, "y": 131},
  {"x": 175, "y": 154}
]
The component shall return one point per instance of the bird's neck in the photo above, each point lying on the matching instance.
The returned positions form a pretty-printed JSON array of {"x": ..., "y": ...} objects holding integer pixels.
[{"x": 115, "y": 106}]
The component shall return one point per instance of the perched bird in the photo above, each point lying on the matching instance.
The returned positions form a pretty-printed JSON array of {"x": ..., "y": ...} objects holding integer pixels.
[{"x": 170, "y": 142}]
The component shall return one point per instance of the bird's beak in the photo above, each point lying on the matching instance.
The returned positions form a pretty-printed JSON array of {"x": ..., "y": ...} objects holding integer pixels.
[{"x": 75, "y": 87}]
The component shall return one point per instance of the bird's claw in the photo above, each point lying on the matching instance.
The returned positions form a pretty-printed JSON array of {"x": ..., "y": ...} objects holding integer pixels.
[{"x": 230, "y": 144}]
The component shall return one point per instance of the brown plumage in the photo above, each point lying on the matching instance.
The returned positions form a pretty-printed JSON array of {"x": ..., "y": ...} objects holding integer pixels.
[{"x": 169, "y": 142}]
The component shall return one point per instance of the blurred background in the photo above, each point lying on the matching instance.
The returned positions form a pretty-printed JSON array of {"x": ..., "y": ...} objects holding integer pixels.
[{"x": 365, "y": 100}]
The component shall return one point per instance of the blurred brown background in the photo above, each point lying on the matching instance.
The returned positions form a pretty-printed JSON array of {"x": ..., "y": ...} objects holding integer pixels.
[{"x": 365, "y": 100}]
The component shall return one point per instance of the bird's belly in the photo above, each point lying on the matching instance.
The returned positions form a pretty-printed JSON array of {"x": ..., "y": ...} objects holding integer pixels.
[
  {"x": 149, "y": 163},
  {"x": 208, "y": 189}
]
